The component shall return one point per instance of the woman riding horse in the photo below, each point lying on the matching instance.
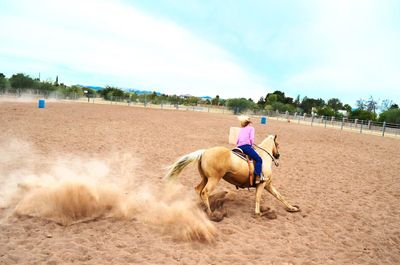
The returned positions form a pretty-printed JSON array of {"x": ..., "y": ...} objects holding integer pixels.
[
  {"x": 245, "y": 142},
  {"x": 219, "y": 162}
]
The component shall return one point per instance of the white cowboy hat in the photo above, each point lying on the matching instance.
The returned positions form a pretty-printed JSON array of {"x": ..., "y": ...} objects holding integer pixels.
[{"x": 244, "y": 120}]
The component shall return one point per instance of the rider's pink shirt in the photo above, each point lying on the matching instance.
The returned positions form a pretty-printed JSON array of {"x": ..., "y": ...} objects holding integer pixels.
[{"x": 246, "y": 136}]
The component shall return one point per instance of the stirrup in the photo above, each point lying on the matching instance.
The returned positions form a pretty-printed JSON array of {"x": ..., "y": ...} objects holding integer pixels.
[{"x": 259, "y": 179}]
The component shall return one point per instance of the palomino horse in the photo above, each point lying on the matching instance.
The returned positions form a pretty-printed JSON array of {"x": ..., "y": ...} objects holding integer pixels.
[{"x": 219, "y": 162}]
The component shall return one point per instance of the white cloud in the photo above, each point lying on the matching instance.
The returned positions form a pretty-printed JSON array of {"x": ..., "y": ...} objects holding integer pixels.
[
  {"x": 109, "y": 42},
  {"x": 357, "y": 53}
]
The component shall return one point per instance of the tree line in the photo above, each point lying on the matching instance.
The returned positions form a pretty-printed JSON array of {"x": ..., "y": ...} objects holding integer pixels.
[
  {"x": 277, "y": 101},
  {"x": 21, "y": 83}
]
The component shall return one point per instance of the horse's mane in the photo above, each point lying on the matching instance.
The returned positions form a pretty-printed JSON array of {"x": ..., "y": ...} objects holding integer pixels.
[{"x": 270, "y": 137}]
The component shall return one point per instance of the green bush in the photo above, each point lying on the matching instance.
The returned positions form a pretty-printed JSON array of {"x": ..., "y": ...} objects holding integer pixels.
[
  {"x": 390, "y": 116},
  {"x": 239, "y": 105},
  {"x": 326, "y": 111},
  {"x": 362, "y": 115}
]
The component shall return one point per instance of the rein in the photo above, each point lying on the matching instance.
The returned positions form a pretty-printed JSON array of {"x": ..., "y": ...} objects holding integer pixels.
[{"x": 273, "y": 159}]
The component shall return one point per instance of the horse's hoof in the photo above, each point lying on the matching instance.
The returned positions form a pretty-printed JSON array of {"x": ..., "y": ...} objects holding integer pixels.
[
  {"x": 269, "y": 215},
  {"x": 217, "y": 216},
  {"x": 294, "y": 209},
  {"x": 265, "y": 209}
]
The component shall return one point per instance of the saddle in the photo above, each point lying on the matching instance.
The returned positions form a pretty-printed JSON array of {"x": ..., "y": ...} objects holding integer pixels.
[{"x": 239, "y": 152}]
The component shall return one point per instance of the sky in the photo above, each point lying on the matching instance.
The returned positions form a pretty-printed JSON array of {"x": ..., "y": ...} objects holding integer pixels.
[{"x": 231, "y": 48}]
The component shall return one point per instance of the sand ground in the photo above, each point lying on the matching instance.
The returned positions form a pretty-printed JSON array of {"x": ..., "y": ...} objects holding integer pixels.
[{"x": 346, "y": 184}]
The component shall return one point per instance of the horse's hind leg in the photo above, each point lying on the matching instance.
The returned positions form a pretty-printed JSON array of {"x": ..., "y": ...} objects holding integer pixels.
[
  {"x": 205, "y": 193},
  {"x": 199, "y": 188}
]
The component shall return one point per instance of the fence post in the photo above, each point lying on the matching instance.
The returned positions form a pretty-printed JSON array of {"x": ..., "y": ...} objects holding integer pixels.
[
  {"x": 383, "y": 129},
  {"x": 312, "y": 119},
  {"x": 325, "y": 120},
  {"x": 361, "y": 127},
  {"x": 341, "y": 127},
  {"x": 355, "y": 123},
  {"x": 369, "y": 125}
]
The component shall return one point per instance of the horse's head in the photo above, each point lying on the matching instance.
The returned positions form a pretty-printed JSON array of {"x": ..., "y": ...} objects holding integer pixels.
[
  {"x": 275, "y": 148},
  {"x": 271, "y": 144}
]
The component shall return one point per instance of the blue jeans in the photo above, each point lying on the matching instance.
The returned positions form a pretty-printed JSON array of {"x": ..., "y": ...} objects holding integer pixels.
[{"x": 248, "y": 150}]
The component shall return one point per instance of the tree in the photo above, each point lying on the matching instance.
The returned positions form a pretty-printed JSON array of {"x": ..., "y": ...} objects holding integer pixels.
[
  {"x": 239, "y": 105},
  {"x": 175, "y": 100},
  {"x": 297, "y": 101},
  {"x": 3, "y": 82},
  {"x": 271, "y": 98},
  {"x": 74, "y": 91},
  {"x": 361, "y": 104},
  {"x": 307, "y": 104},
  {"x": 335, "y": 104},
  {"x": 326, "y": 111},
  {"x": 46, "y": 87},
  {"x": 390, "y": 116},
  {"x": 362, "y": 115},
  {"x": 261, "y": 103},
  {"x": 152, "y": 97},
  {"x": 215, "y": 101},
  {"x": 280, "y": 96},
  {"x": 386, "y": 104},
  {"x": 21, "y": 82},
  {"x": 288, "y": 100},
  {"x": 347, "y": 108},
  {"x": 372, "y": 104},
  {"x": 111, "y": 93},
  {"x": 192, "y": 101},
  {"x": 394, "y": 106}
]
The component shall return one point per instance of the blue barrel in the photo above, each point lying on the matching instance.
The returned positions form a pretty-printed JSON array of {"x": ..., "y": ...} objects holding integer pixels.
[
  {"x": 42, "y": 103},
  {"x": 263, "y": 120}
]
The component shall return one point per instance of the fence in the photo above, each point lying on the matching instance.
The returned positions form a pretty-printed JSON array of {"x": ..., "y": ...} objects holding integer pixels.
[
  {"x": 361, "y": 126},
  {"x": 160, "y": 105}
]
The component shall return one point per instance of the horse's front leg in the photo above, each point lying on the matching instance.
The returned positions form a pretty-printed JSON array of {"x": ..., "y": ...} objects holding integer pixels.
[{"x": 271, "y": 189}]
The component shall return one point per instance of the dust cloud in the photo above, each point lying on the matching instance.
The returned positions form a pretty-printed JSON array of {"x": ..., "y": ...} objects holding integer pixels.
[{"x": 70, "y": 189}]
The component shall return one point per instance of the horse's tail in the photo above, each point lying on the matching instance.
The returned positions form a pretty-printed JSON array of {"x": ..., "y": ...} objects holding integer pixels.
[{"x": 176, "y": 168}]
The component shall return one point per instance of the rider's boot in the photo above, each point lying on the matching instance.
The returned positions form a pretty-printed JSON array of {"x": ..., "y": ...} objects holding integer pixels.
[{"x": 259, "y": 178}]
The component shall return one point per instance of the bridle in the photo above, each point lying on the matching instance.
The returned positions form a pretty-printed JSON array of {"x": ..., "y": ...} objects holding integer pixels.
[{"x": 272, "y": 157}]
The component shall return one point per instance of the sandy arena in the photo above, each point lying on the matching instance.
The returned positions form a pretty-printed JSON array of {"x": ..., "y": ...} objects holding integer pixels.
[{"x": 82, "y": 184}]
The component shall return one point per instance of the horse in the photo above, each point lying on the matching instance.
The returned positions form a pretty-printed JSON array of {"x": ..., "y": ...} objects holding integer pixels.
[{"x": 219, "y": 162}]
